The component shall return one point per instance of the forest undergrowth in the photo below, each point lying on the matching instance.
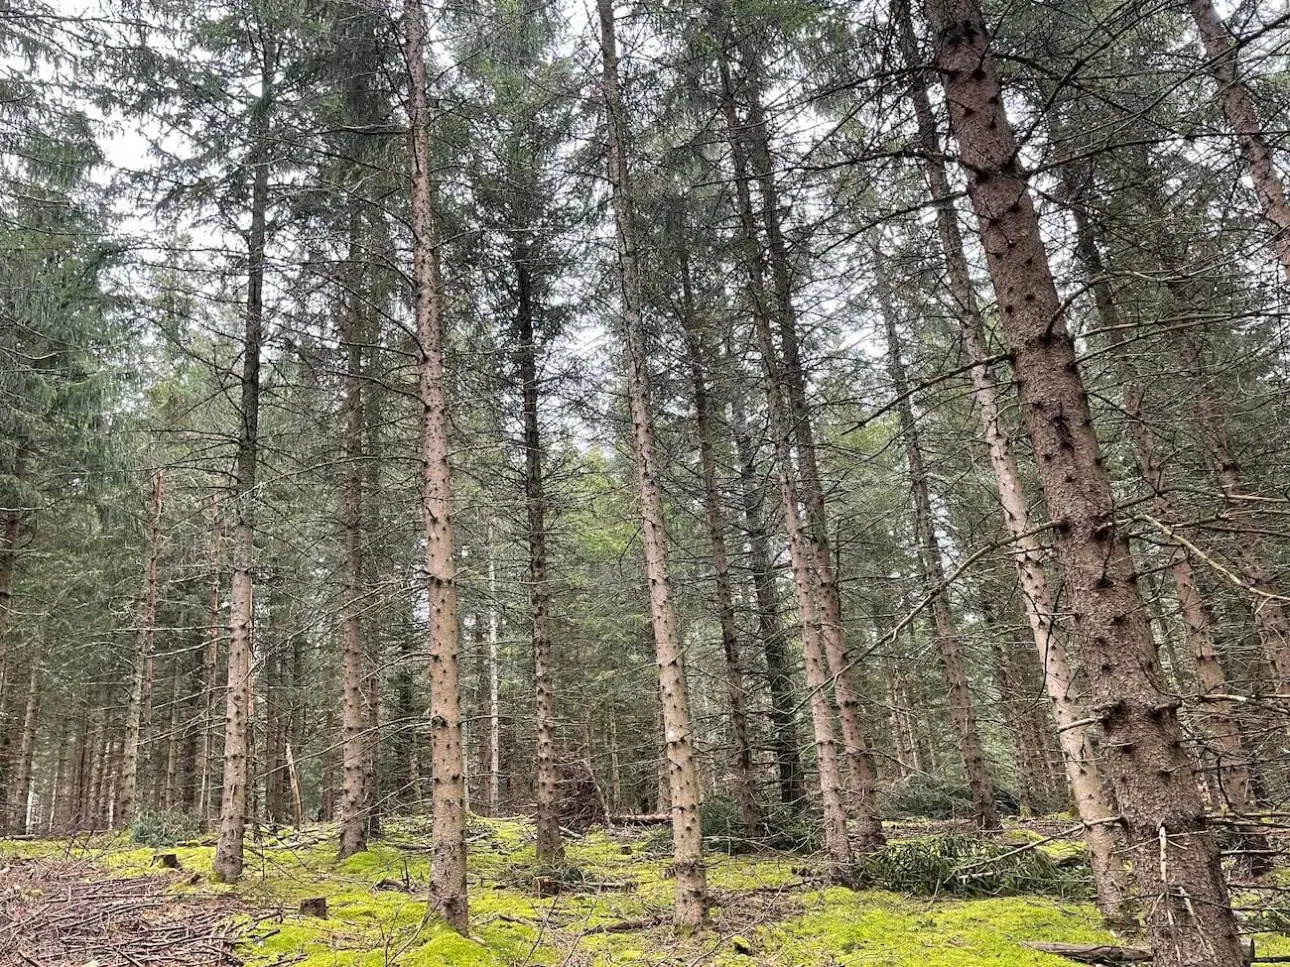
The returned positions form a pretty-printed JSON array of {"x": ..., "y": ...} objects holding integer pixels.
[{"x": 952, "y": 899}]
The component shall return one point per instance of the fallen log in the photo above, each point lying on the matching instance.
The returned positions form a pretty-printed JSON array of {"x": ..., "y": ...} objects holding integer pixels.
[
  {"x": 639, "y": 819},
  {"x": 1092, "y": 953},
  {"x": 1109, "y": 954}
]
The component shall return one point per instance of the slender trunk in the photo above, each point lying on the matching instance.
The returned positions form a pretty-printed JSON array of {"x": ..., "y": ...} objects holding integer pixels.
[
  {"x": 1244, "y": 118},
  {"x": 962, "y": 714},
  {"x": 448, "y": 874},
  {"x": 20, "y": 785},
  {"x": 493, "y": 738},
  {"x": 210, "y": 679},
  {"x": 784, "y": 739},
  {"x": 137, "y": 710},
  {"x": 813, "y": 573},
  {"x": 550, "y": 848},
  {"x": 353, "y": 820},
  {"x": 174, "y": 733},
  {"x": 227, "y": 864},
  {"x": 1174, "y": 854},
  {"x": 745, "y": 793},
  {"x": 687, "y": 842}
]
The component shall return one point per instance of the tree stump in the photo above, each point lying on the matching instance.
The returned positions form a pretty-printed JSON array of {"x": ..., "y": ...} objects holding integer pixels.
[
  {"x": 168, "y": 861},
  {"x": 314, "y": 906}
]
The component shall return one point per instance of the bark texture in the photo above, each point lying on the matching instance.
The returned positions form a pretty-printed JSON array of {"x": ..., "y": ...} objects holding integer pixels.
[
  {"x": 1174, "y": 854},
  {"x": 687, "y": 838},
  {"x": 448, "y": 796}
]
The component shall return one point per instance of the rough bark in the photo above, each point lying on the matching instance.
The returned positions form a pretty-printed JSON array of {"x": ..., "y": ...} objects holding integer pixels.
[
  {"x": 448, "y": 797},
  {"x": 1222, "y": 727},
  {"x": 1173, "y": 851},
  {"x": 550, "y": 847},
  {"x": 687, "y": 841},
  {"x": 227, "y": 864},
  {"x": 784, "y": 739},
  {"x": 962, "y": 713},
  {"x": 1244, "y": 118},
  {"x": 1087, "y": 787}
]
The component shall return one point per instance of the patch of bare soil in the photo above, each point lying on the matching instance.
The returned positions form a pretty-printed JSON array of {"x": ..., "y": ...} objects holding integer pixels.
[{"x": 66, "y": 914}]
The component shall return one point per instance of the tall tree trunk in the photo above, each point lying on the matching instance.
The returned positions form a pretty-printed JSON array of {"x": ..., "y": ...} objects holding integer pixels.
[
  {"x": 745, "y": 793},
  {"x": 20, "y": 785},
  {"x": 1079, "y": 757},
  {"x": 353, "y": 820},
  {"x": 493, "y": 737},
  {"x": 813, "y": 572},
  {"x": 550, "y": 848},
  {"x": 174, "y": 734},
  {"x": 10, "y": 527},
  {"x": 1174, "y": 854},
  {"x": 1222, "y": 726},
  {"x": 687, "y": 838},
  {"x": 138, "y": 708},
  {"x": 227, "y": 864},
  {"x": 210, "y": 679},
  {"x": 448, "y": 874},
  {"x": 784, "y": 739},
  {"x": 1244, "y": 118},
  {"x": 962, "y": 714}
]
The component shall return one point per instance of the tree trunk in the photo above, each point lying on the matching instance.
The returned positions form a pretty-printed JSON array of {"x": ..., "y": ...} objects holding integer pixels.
[
  {"x": 742, "y": 762},
  {"x": 813, "y": 572},
  {"x": 210, "y": 679},
  {"x": 20, "y": 785},
  {"x": 1244, "y": 118},
  {"x": 550, "y": 848},
  {"x": 687, "y": 840},
  {"x": 1079, "y": 757},
  {"x": 448, "y": 874},
  {"x": 493, "y": 737},
  {"x": 353, "y": 819},
  {"x": 784, "y": 738},
  {"x": 962, "y": 714},
  {"x": 1222, "y": 727},
  {"x": 227, "y": 864},
  {"x": 137, "y": 710},
  {"x": 1174, "y": 855}
]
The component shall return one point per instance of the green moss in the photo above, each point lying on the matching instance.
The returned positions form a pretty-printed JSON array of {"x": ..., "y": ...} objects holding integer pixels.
[{"x": 873, "y": 928}]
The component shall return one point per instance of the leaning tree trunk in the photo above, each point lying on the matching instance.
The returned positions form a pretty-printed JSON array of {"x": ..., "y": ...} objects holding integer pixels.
[
  {"x": 227, "y": 864},
  {"x": 788, "y": 426},
  {"x": 962, "y": 714},
  {"x": 1244, "y": 118},
  {"x": 138, "y": 708},
  {"x": 448, "y": 797},
  {"x": 683, "y": 776},
  {"x": 550, "y": 848},
  {"x": 745, "y": 793},
  {"x": 1223, "y": 728},
  {"x": 354, "y": 743},
  {"x": 1079, "y": 757},
  {"x": 1174, "y": 853}
]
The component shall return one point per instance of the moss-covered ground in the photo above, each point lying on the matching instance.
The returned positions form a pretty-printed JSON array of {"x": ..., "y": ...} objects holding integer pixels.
[{"x": 770, "y": 908}]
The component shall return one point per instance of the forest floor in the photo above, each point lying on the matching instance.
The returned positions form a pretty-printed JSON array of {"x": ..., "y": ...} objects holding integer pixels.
[{"x": 103, "y": 902}]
